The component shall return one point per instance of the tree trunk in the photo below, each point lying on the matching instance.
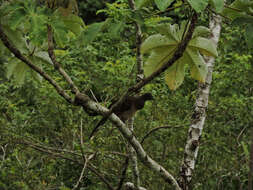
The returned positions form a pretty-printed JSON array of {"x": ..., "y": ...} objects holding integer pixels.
[{"x": 199, "y": 115}]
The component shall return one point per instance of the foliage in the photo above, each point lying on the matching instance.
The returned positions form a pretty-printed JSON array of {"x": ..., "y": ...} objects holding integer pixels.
[
  {"x": 163, "y": 45},
  {"x": 100, "y": 58}
]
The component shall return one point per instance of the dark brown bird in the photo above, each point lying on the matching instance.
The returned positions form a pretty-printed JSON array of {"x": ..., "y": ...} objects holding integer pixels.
[{"x": 126, "y": 109}]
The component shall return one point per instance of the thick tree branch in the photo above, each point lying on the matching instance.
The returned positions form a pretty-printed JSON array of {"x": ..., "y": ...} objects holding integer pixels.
[
  {"x": 18, "y": 54},
  {"x": 57, "y": 65},
  {"x": 85, "y": 101}
]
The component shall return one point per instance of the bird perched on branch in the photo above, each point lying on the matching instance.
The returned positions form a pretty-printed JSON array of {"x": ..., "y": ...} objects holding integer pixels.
[{"x": 126, "y": 109}]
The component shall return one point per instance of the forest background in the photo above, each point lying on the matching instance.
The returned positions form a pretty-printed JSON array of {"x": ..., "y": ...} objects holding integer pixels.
[{"x": 63, "y": 61}]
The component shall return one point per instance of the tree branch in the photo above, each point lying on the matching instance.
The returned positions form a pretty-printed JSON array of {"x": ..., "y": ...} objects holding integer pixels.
[
  {"x": 177, "y": 55},
  {"x": 18, "y": 54},
  {"x": 85, "y": 101},
  {"x": 123, "y": 174},
  {"x": 153, "y": 130},
  {"x": 57, "y": 65},
  {"x": 60, "y": 155},
  {"x": 138, "y": 34}
]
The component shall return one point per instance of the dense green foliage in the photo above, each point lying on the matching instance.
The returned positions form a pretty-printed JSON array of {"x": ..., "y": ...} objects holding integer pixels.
[{"x": 100, "y": 58}]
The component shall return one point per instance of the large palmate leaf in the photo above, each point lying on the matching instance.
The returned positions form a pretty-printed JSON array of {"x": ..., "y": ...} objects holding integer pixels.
[{"x": 162, "y": 46}]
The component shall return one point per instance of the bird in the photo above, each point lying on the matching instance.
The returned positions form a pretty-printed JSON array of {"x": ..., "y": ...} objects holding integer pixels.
[{"x": 126, "y": 109}]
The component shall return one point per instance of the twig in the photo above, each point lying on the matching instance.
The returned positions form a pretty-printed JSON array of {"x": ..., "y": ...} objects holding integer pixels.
[
  {"x": 238, "y": 137},
  {"x": 153, "y": 130},
  {"x": 138, "y": 34},
  {"x": 90, "y": 167},
  {"x": 4, "y": 154},
  {"x": 84, "y": 167},
  {"x": 123, "y": 174},
  {"x": 232, "y": 8},
  {"x": 57, "y": 65},
  {"x": 93, "y": 95}
]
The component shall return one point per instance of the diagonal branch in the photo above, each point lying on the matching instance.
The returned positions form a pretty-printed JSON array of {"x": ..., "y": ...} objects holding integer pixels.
[
  {"x": 57, "y": 65},
  {"x": 177, "y": 55},
  {"x": 153, "y": 130},
  {"x": 84, "y": 100},
  {"x": 18, "y": 54},
  {"x": 123, "y": 174}
]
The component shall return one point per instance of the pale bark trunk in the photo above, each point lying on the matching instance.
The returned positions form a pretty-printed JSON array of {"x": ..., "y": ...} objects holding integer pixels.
[{"x": 199, "y": 115}]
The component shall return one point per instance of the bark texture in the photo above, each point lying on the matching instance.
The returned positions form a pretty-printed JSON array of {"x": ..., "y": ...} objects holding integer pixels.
[{"x": 199, "y": 115}]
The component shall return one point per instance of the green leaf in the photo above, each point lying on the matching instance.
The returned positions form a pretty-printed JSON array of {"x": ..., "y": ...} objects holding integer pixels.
[
  {"x": 198, "y": 5},
  {"x": 197, "y": 65},
  {"x": 201, "y": 31},
  {"x": 205, "y": 46},
  {"x": 158, "y": 57},
  {"x": 170, "y": 31},
  {"x": 17, "y": 39},
  {"x": 249, "y": 35},
  {"x": 141, "y": 3},
  {"x": 174, "y": 75},
  {"x": 245, "y": 148},
  {"x": 17, "y": 17},
  {"x": 243, "y": 20},
  {"x": 238, "y": 9},
  {"x": 74, "y": 23},
  {"x": 116, "y": 28},
  {"x": 218, "y": 5},
  {"x": 43, "y": 56},
  {"x": 91, "y": 32},
  {"x": 156, "y": 41},
  {"x": 163, "y": 4},
  {"x": 17, "y": 69}
]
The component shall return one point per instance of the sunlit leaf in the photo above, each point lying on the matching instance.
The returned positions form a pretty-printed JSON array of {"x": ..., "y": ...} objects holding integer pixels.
[
  {"x": 158, "y": 57},
  {"x": 197, "y": 65},
  {"x": 174, "y": 75},
  {"x": 204, "y": 45},
  {"x": 156, "y": 41},
  {"x": 201, "y": 31}
]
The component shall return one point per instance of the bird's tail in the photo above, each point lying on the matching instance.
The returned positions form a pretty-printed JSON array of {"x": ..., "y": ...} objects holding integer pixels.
[{"x": 96, "y": 128}]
